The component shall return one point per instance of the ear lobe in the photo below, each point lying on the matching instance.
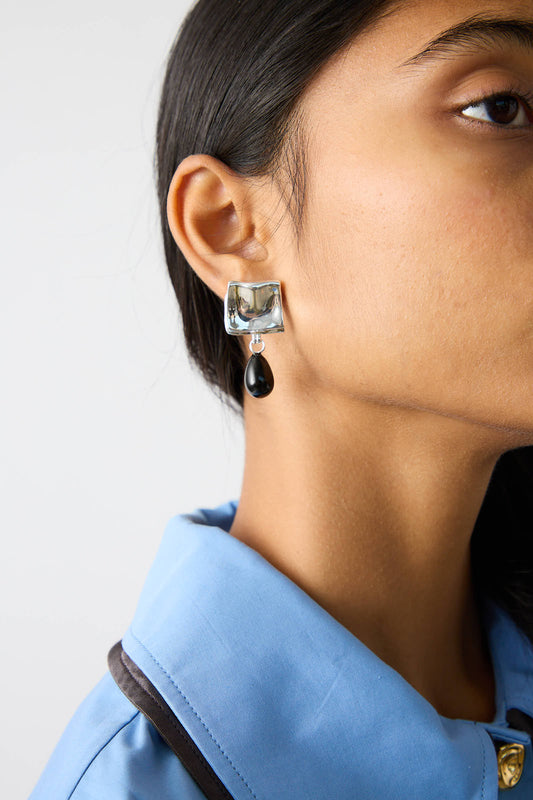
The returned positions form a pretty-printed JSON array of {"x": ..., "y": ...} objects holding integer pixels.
[{"x": 216, "y": 240}]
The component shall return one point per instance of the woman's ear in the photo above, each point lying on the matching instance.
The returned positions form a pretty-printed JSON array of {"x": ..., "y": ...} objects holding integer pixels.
[{"x": 210, "y": 212}]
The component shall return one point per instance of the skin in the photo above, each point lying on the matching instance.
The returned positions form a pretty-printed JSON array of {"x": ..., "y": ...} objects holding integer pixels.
[{"x": 406, "y": 365}]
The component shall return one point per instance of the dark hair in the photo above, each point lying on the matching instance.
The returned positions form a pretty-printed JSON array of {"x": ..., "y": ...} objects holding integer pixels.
[
  {"x": 234, "y": 75},
  {"x": 502, "y": 539}
]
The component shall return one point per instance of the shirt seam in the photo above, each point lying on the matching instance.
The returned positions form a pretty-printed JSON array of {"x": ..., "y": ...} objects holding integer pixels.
[
  {"x": 95, "y": 756},
  {"x": 476, "y": 728},
  {"x": 196, "y": 714}
]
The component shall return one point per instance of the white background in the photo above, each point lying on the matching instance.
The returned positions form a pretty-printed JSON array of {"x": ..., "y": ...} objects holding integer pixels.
[{"x": 106, "y": 431}]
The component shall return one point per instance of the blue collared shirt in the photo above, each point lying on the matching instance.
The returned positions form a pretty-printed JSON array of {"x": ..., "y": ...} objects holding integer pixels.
[{"x": 283, "y": 701}]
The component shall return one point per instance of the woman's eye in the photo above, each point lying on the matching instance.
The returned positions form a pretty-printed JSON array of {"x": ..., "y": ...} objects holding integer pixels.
[{"x": 500, "y": 109}]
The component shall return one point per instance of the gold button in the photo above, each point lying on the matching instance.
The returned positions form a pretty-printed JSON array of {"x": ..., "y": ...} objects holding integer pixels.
[{"x": 510, "y": 765}]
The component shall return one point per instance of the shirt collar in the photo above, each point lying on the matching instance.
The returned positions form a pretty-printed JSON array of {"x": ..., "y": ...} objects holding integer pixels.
[
  {"x": 283, "y": 700},
  {"x": 512, "y": 660}
]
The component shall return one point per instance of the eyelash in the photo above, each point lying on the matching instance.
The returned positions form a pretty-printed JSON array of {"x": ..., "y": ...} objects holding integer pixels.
[{"x": 525, "y": 98}]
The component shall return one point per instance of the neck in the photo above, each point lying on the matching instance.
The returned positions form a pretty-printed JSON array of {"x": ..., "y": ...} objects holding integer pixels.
[{"x": 370, "y": 509}]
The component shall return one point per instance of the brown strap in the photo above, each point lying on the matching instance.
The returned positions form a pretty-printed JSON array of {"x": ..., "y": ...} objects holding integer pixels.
[{"x": 144, "y": 696}]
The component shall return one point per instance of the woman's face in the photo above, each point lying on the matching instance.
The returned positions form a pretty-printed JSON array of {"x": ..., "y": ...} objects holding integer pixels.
[{"x": 413, "y": 280}]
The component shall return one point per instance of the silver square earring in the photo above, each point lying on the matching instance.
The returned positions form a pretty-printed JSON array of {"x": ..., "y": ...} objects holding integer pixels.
[{"x": 254, "y": 308}]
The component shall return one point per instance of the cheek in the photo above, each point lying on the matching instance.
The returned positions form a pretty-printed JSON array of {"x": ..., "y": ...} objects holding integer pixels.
[{"x": 427, "y": 274}]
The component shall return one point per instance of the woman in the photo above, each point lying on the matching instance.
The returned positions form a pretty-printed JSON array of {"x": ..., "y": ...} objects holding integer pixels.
[{"x": 360, "y": 623}]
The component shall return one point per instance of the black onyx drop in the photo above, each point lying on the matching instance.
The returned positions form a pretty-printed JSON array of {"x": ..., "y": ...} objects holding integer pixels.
[{"x": 258, "y": 377}]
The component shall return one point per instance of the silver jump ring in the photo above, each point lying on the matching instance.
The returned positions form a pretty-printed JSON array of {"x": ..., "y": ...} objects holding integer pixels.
[{"x": 251, "y": 346}]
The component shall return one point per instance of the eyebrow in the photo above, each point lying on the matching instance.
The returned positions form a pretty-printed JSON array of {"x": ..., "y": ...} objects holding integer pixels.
[{"x": 476, "y": 31}]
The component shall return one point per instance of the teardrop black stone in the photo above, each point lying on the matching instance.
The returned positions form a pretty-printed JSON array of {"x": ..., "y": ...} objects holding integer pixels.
[{"x": 258, "y": 377}]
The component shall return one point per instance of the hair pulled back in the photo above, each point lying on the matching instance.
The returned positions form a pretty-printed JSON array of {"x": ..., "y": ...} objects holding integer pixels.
[{"x": 234, "y": 75}]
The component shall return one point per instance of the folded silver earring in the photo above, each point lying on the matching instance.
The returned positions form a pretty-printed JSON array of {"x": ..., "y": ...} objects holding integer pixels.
[{"x": 254, "y": 308}]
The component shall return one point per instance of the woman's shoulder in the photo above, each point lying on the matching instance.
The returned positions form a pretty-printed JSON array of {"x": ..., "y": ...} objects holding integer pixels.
[{"x": 109, "y": 749}]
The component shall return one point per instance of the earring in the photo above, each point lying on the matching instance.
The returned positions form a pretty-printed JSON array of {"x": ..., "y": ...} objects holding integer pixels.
[{"x": 254, "y": 308}]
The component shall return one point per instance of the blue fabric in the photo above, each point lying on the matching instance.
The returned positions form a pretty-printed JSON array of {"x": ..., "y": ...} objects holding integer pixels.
[{"x": 282, "y": 700}]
